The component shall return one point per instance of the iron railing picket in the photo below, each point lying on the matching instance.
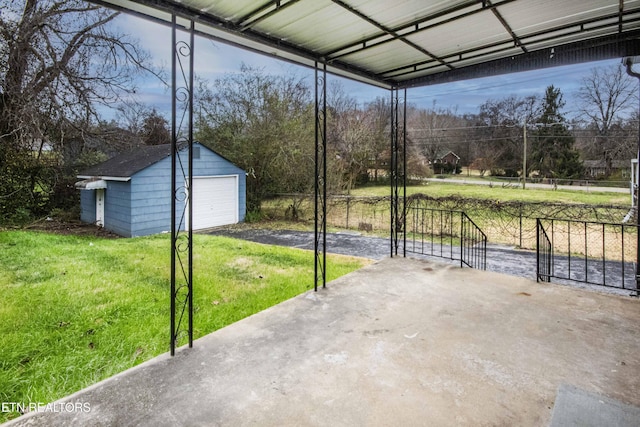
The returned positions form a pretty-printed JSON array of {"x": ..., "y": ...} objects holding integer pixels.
[
  {"x": 622, "y": 258},
  {"x": 586, "y": 254},
  {"x": 544, "y": 243},
  {"x": 544, "y": 253},
  {"x": 604, "y": 263},
  {"x": 478, "y": 238},
  {"x": 434, "y": 225}
]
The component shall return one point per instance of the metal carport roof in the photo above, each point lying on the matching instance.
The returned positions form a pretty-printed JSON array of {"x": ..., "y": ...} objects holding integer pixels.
[{"x": 407, "y": 43}]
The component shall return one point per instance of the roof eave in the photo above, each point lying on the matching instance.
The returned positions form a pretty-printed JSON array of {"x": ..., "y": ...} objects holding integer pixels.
[
  {"x": 214, "y": 28},
  {"x": 105, "y": 178},
  {"x": 601, "y": 48}
]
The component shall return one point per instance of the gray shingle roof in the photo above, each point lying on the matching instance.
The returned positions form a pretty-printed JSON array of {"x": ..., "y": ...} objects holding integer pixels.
[{"x": 127, "y": 164}]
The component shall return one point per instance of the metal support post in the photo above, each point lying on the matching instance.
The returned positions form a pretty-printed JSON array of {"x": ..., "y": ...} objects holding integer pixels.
[
  {"x": 524, "y": 155},
  {"x": 404, "y": 176},
  {"x": 637, "y": 190},
  {"x": 629, "y": 63},
  {"x": 393, "y": 172},
  {"x": 320, "y": 204},
  {"x": 181, "y": 183}
]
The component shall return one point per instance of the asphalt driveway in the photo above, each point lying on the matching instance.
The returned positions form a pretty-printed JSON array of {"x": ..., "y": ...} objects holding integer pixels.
[{"x": 500, "y": 258}]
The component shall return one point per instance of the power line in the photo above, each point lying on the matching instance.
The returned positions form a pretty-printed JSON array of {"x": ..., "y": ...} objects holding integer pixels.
[{"x": 462, "y": 139}]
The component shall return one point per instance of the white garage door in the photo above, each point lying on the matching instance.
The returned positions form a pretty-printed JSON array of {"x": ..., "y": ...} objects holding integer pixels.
[{"x": 215, "y": 201}]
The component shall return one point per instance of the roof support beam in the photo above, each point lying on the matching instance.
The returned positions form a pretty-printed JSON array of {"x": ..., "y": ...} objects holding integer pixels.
[
  {"x": 615, "y": 46},
  {"x": 395, "y": 35},
  {"x": 411, "y": 28},
  {"x": 538, "y": 38},
  {"x": 262, "y": 13},
  {"x": 507, "y": 27}
]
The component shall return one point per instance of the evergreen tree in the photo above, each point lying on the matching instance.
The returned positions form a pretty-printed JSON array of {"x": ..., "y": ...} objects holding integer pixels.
[{"x": 554, "y": 155}]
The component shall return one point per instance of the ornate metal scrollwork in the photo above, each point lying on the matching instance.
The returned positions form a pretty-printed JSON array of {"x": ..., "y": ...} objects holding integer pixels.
[
  {"x": 320, "y": 205},
  {"x": 393, "y": 172},
  {"x": 181, "y": 183},
  {"x": 398, "y": 166}
]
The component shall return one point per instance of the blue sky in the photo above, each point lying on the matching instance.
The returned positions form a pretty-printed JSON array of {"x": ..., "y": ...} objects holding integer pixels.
[{"x": 213, "y": 59}]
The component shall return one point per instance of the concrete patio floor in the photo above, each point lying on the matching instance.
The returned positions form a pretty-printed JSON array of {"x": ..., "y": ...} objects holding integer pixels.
[{"x": 400, "y": 342}]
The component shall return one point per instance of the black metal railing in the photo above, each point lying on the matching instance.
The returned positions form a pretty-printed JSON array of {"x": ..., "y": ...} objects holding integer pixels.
[
  {"x": 544, "y": 254},
  {"x": 446, "y": 234},
  {"x": 594, "y": 253},
  {"x": 473, "y": 244}
]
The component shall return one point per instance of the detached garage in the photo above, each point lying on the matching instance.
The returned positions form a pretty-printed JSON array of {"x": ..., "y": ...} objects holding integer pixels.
[{"x": 130, "y": 194}]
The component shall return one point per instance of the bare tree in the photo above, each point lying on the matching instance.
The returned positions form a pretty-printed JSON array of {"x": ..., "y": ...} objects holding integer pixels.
[
  {"x": 606, "y": 96},
  {"x": 359, "y": 135},
  {"x": 503, "y": 136},
  {"x": 429, "y": 129},
  {"x": 59, "y": 60},
  {"x": 379, "y": 114},
  {"x": 353, "y": 138}
]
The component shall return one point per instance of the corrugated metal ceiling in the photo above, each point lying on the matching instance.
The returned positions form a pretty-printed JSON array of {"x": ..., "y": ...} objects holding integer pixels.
[{"x": 404, "y": 43}]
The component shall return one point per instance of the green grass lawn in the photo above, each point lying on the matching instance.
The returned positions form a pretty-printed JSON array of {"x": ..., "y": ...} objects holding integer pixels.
[
  {"x": 77, "y": 309},
  {"x": 508, "y": 193}
]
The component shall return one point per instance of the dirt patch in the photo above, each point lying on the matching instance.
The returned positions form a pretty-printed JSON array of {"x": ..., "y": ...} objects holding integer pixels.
[
  {"x": 74, "y": 228},
  {"x": 241, "y": 262}
]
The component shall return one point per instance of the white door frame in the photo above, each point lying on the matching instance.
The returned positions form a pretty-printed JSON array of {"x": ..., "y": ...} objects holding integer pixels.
[{"x": 100, "y": 207}]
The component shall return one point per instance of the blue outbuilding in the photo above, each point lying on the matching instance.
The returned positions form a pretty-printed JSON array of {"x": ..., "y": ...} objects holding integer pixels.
[{"x": 130, "y": 194}]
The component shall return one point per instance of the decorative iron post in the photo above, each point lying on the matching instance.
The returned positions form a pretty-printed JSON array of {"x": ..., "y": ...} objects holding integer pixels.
[
  {"x": 393, "y": 172},
  {"x": 403, "y": 222},
  {"x": 320, "y": 203},
  {"x": 181, "y": 184}
]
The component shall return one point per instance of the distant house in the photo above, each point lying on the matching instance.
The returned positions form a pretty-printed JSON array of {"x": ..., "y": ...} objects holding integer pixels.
[
  {"x": 130, "y": 194},
  {"x": 445, "y": 161},
  {"x": 597, "y": 168},
  {"x": 448, "y": 157}
]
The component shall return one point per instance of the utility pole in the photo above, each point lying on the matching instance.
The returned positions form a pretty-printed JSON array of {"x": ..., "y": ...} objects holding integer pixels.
[{"x": 524, "y": 156}]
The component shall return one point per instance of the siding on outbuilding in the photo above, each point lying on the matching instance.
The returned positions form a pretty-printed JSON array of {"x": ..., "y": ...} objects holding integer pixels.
[
  {"x": 87, "y": 198},
  {"x": 117, "y": 208},
  {"x": 142, "y": 205}
]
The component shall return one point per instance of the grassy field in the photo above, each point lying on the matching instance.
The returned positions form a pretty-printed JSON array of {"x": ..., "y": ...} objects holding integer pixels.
[
  {"x": 377, "y": 212},
  {"x": 509, "y": 193},
  {"x": 76, "y": 310}
]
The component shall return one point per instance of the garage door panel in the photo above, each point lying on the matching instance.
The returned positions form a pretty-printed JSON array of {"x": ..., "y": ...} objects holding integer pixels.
[{"x": 215, "y": 201}]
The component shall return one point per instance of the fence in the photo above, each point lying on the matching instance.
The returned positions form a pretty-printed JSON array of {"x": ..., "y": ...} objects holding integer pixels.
[
  {"x": 346, "y": 212},
  {"x": 595, "y": 253},
  {"x": 445, "y": 234},
  {"x": 509, "y": 223}
]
